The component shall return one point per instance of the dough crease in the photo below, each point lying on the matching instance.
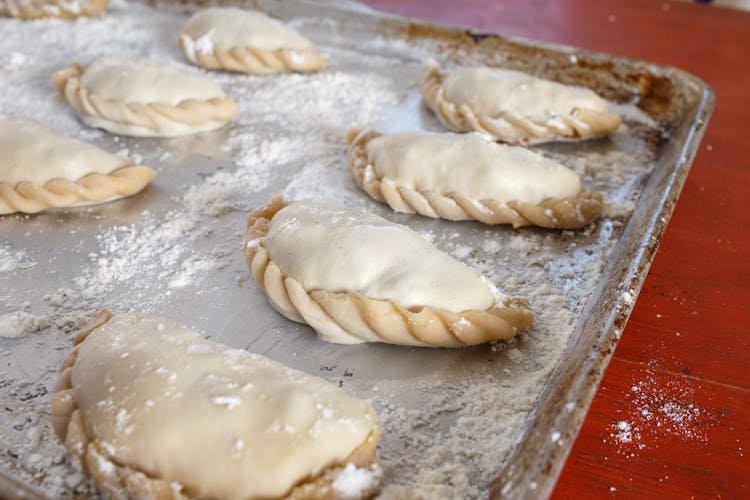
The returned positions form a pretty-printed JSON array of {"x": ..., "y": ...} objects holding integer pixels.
[
  {"x": 190, "y": 115},
  {"x": 350, "y": 317},
  {"x": 558, "y": 122},
  {"x": 570, "y": 212},
  {"x": 108, "y": 440},
  {"x": 246, "y": 42},
  {"x": 41, "y": 169},
  {"x": 64, "y": 9}
]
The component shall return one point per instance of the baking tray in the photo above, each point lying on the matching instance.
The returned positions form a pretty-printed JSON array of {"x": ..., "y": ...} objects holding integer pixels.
[{"x": 466, "y": 423}]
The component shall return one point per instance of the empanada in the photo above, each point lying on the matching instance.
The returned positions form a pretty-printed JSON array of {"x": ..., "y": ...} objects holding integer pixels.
[
  {"x": 40, "y": 169},
  {"x": 145, "y": 99},
  {"x": 246, "y": 41},
  {"x": 469, "y": 177},
  {"x": 514, "y": 107},
  {"x": 36, "y": 9},
  {"x": 155, "y": 411},
  {"x": 355, "y": 277}
]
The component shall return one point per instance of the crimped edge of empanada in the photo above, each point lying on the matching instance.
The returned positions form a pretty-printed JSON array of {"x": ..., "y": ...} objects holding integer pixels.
[
  {"x": 121, "y": 481},
  {"x": 52, "y": 8},
  {"x": 29, "y": 197},
  {"x": 510, "y": 127},
  {"x": 251, "y": 60},
  {"x": 554, "y": 213},
  {"x": 153, "y": 119},
  {"x": 352, "y": 318}
]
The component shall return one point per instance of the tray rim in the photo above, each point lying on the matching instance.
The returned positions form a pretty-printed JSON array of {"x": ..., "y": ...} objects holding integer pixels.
[
  {"x": 615, "y": 324},
  {"x": 539, "y": 481}
]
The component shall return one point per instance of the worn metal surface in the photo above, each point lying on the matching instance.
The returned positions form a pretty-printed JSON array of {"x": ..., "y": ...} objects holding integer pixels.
[{"x": 648, "y": 164}]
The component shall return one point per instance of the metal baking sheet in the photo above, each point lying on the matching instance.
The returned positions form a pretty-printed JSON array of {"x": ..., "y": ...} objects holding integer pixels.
[{"x": 465, "y": 423}]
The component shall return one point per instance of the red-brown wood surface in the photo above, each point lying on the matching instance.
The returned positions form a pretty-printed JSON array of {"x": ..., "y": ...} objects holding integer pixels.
[{"x": 672, "y": 415}]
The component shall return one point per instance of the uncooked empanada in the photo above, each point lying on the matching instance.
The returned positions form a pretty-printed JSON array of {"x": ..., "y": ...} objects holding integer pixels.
[
  {"x": 469, "y": 177},
  {"x": 36, "y": 9},
  {"x": 355, "y": 277},
  {"x": 40, "y": 169},
  {"x": 246, "y": 41},
  {"x": 514, "y": 107},
  {"x": 145, "y": 99},
  {"x": 154, "y": 411}
]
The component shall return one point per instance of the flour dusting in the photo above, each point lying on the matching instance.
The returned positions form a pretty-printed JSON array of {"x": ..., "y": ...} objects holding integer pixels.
[
  {"x": 450, "y": 417},
  {"x": 21, "y": 323},
  {"x": 656, "y": 412}
]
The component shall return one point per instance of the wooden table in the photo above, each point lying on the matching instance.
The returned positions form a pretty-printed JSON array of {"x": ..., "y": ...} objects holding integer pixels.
[{"x": 672, "y": 415}]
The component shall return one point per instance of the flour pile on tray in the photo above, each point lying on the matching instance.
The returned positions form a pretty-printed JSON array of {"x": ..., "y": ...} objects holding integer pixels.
[
  {"x": 21, "y": 323},
  {"x": 449, "y": 419}
]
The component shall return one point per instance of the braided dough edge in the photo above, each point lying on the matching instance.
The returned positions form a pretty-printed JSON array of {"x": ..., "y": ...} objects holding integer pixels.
[
  {"x": 154, "y": 119},
  {"x": 510, "y": 127},
  {"x": 553, "y": 213},
  {"x": 352, "y": 318},
  {"x": 37, "y": 9},
  {"x": 29, "y": 197},
  {"x": 253, "y": 61},
  {"x": 120, "y": 481}
]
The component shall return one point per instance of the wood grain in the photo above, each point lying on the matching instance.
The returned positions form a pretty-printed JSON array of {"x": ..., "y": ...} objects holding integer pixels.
[
  {"x": 685, "y": 438},
  {"x": 688, "y": 339}
]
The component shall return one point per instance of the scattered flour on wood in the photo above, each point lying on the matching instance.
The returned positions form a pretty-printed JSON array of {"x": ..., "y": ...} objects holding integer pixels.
[{"x": 656, "y": 412}]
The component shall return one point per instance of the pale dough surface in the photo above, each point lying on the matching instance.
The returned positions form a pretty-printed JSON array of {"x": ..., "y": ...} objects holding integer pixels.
[
  {"x": 140, "y": 81},
  {"x": 144, "y": 99},
  {"x": 30, "y": 151},
  {"x": 494, "y": 91},
  {"x": 325, "y": 247},
  {"x": 514, "y": 107},
  {"x": 220, "y": 422},
  {"x": 226, "y": 28},
  {"x": 470, "y": 165}
]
